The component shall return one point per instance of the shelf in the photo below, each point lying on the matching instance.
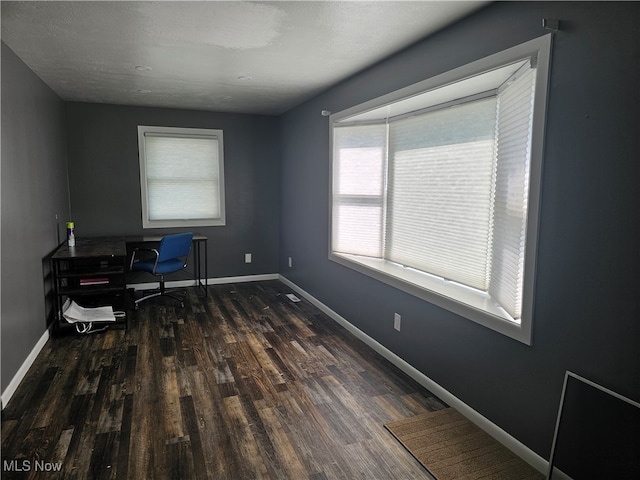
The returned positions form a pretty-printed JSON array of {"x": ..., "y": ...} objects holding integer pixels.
[
  {"x": 91, "y": 272},
  {"x": 91, "y": 290}
]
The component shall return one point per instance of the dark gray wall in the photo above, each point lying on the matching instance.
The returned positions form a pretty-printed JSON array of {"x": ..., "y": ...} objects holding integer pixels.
[
  {"x": 586, "y": 301},
  {"x": 34, "y": 191},
  {"x": 104, "y": 177}
]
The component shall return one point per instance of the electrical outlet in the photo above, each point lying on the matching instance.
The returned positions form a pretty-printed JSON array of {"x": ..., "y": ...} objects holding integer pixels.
[
  {"x": 247, "y": 258},
  {"x": 290, "y": 262},
  {"x": 396, "y": 321}
]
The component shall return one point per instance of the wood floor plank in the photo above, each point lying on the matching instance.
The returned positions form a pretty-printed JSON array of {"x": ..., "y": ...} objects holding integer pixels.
[
  {"x": 207, "y": 412},
  {"x": 305, "y": 426},
  {"x": 42, "y": 392},
  {"x": 240, "y": 384},
  {"x": 60, "y": 452},
  {"x": 190, "y": 420},
  {"x": 122, "y": 467},
  {"x": 238, "y": 427},
  {"x": 286, "y": 455},
  {"x": 103, "y": 458}
]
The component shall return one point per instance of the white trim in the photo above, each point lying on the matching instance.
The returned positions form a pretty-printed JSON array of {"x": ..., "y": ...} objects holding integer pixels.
[
  {"x": 244, "y": 278},
  {"x": 518, "y": 448},
  {"x": 532, "y": 48},
  {"x": 210, "y": 281},
  {"x": 24, "y": 368}
]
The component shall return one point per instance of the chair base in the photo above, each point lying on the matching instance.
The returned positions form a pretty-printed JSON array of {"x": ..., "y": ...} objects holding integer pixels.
[{"x": 162, "y": 293}]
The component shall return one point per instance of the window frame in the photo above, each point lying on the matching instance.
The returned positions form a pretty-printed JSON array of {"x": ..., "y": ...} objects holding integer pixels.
[
  {"x": 439, "y": 291},
  {"x": 184, "y": 133}
]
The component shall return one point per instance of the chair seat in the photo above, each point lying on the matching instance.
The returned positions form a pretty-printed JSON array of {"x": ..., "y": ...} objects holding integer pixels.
[{"x": 167, "y": 266}]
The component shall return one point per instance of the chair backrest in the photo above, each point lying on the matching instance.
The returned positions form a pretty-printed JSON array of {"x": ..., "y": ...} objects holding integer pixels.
[{"x": 175, "y": 246}]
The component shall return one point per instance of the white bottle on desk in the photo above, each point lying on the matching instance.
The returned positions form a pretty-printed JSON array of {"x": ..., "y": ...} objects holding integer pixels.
[{"x": 71, "y": 238}]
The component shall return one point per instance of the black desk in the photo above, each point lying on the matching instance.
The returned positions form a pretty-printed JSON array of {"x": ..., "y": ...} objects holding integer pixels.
[
  {"x": 95, "y": 270},
  {"x": 199, "y": 242}
]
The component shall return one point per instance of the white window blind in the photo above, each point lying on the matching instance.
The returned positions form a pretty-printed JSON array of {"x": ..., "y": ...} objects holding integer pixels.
[
  {"x": 358, "y": 189},
  {"x": 181, "y": 177},
  {"x": 511, "y": 192},
  {"x": 439, "y": 197}
]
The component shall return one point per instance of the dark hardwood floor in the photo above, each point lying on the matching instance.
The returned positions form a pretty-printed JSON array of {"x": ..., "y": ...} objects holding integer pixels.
[{"x": 241, "y": 384}]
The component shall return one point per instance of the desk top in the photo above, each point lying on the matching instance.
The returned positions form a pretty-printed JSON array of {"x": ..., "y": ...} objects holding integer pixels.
[
  {"x": 91, "y": 247},
  {"x": 155, "y": 238}
]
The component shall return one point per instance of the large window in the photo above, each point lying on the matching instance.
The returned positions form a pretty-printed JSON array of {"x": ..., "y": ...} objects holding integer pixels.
[
  {"x": 181, "y": 177},
  {"x": 435, "y": 187}
]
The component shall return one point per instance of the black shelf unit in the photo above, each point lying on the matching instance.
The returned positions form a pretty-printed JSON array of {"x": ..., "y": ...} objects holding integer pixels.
[{"x": 93, "y": 274}]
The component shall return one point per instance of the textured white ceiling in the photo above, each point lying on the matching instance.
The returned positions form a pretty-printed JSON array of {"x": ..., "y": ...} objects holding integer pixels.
[{"x": 235, "y": 56}]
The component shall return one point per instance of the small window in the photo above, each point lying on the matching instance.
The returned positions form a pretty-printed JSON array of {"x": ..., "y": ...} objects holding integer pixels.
[
  {"x": 435, "y": 187},
  {"x": 181, "y": 177}
]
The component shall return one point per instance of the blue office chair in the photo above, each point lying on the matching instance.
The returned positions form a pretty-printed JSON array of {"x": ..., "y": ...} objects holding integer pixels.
[{"x": 170, "y": 256}]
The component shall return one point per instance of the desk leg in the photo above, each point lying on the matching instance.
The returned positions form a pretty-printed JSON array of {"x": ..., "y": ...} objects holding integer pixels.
[
  {"x": 57, "y": 301},
  {"x": 198, "y": 266},
  {"x": 206, "y": 269},
  {"x": 196, "y": 260}
]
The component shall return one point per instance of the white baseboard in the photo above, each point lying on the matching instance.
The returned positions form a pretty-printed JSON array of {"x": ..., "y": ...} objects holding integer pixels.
[
  {"x": 518, "y": 448},
  {"x": 210, "y": 281},
  {"x": 244, "y": 278},
  {"x": 24, "y": 368}
]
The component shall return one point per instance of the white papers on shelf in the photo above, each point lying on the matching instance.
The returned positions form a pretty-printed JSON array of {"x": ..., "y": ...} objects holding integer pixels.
[{"x": 74, "y": 313}]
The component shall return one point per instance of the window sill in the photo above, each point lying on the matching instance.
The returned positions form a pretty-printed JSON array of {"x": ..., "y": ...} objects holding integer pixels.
[{"x": 476, "y": 306}]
